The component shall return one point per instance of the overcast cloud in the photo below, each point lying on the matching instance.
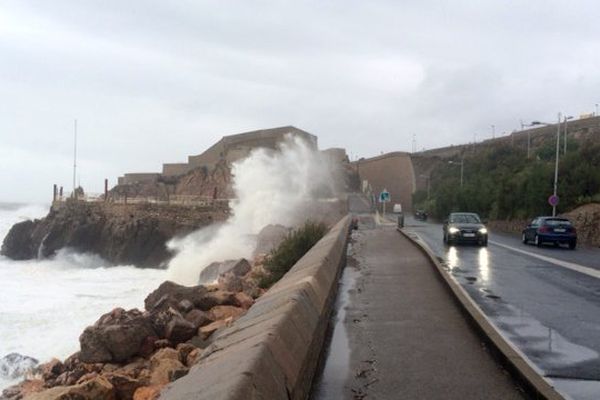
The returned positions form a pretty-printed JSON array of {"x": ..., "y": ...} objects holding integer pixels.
[{"x": 154, "y": 81}]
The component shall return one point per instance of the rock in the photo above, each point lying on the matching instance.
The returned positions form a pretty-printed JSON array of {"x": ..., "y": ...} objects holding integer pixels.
[
  {"x": 185, "y": 305},
  {"x": 199, "y": 342},
  {"x": 218, "y": 298},
  {"x": 224, "y": 312},
  {"x": 18, "y": 243},
  {"x": 122, "y": 234},
  {"x": 199, "y": 318},
  {"x": 51, "y": 369},
  {"x": 125, "y": 386},
  {"x": 206, "y": 331},
  {"x": 212, "y": 272},
  {"x": 23, "y": 389},
  {"x": 137, "y": 369},
  {"x": 160, "y": 320},
  {"x": 184, "y": 349},
  {"x": 162, "y": 343},
  {"x": 169, "y": 295},
  {"x": 15, "y": 365},
  {"x": 148, "y": 392},
  {"x": 179, "y": 330},
  {"x": 193, "y": 357},
  {"x": 230, "y": 282},
  {"x": 269, "y": 238},
  {"x": 164, "y": 366},
  {"x": 116, "y": 336},
  {"x": 244, "y": 300},
  {"x": 98, "y": 388}
]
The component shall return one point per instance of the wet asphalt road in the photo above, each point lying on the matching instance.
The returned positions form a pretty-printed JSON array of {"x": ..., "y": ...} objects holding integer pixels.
[{"x": 538, "y": 298}]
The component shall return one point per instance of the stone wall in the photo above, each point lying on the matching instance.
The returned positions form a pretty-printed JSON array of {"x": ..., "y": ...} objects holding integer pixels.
[
  {"x": 272, "y": 352},
  {"x": 175, "y": 169},
  {"x": 392, "y": 171}
]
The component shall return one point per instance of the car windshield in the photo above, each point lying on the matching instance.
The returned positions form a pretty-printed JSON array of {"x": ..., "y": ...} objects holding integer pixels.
[
  {"x": 465, "y": 218},
  {"x": 557, "y": 222}
]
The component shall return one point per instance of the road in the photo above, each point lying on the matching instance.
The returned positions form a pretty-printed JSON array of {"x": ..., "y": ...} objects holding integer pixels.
[{"x": 546, "y": 301}]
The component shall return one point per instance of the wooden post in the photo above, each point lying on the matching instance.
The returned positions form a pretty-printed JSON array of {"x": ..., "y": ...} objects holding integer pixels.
[{"x": 105, "y": 189}]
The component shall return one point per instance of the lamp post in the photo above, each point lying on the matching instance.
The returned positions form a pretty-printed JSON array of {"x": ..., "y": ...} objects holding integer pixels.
[
  {"x": 556, "y": 157},
  {"x": 462, "y": 165},
  {"x": 567, "y": 118}
]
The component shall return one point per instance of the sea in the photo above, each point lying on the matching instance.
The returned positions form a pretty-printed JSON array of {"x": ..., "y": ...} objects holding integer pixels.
[{"x": 45, "y": 304}]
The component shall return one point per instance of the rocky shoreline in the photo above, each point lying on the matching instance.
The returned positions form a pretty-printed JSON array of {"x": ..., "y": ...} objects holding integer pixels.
[
  {"x": 133, "y": 354},
  {"x": 123, "y": 234}
]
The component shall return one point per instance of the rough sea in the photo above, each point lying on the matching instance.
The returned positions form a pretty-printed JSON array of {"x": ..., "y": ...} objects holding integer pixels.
[{"x": 46, "y": 304}]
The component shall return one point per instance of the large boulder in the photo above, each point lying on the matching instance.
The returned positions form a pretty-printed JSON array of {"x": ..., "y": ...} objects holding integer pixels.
[
  {"x": 171, "y": 295},
  {"x": 212, "y": 272},
  {"x": 15, "y": 365},
  {"x": 18, "y": 244},
  {"x": 116, "y": 337}
]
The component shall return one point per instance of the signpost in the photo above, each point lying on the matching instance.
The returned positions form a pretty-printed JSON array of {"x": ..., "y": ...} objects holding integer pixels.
[
  {"x": 384, "y": 197},
  {"x": 553, "y": 201}
]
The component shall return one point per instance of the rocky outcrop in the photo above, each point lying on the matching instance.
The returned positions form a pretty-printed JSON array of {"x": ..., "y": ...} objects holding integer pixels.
[
  {"x": 120, "y": 233},
  {"x": 14, "y": 365}
]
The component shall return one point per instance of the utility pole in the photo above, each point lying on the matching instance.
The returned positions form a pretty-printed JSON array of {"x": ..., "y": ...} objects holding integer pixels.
[{"x": 74, "y": 158}]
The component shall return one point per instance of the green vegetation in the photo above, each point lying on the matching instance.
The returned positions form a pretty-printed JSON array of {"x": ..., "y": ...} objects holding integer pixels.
[
  {"x": 501, "y": 183},
  {"x": 291, "y": 249}
]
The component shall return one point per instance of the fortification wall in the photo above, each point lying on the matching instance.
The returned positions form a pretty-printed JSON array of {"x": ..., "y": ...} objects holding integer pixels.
[
  {"x": 175, "y": 169},
  {"x": 272, "y": 352},
  {"x": 392, "y": 171}
]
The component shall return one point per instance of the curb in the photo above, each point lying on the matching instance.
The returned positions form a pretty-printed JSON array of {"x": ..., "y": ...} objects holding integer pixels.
[{"x": 515, "y": 361}]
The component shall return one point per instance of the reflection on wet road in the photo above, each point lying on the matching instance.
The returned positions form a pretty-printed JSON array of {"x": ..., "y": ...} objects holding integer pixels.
[{"x": 549, "y": 311}]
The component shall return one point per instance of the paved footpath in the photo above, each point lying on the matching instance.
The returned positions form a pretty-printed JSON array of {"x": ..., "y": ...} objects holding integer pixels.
[{"x": 408, "y": 338}]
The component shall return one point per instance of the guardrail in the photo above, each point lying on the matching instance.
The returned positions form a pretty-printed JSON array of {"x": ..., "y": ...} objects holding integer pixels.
[{"x": 179, "y": 200}]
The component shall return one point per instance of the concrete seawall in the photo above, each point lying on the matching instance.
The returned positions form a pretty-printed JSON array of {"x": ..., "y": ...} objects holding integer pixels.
[{"x": 272, "y": 352}]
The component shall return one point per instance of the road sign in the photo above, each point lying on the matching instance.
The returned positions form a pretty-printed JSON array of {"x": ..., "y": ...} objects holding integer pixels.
[
  {"x": 384, "y": 196},
  {"x": 553, "y": 200}
]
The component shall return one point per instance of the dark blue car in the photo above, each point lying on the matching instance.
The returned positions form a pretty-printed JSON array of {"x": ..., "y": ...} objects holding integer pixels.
[{"x": 552, "y": 230}]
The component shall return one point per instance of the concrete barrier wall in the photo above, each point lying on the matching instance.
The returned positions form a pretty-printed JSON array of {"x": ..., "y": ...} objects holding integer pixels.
[{"x": 272, "y": 352}]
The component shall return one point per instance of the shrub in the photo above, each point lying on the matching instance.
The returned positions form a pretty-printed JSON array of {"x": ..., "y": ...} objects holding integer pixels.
[{"x": 291, "y": 249}]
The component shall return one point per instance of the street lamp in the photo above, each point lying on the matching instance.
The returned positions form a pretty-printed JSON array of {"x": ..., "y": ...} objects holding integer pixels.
[
  {"x": 567, "y": 118},
  {"x": 462, "y": 165},
  {"x": 556, "y": 158}
]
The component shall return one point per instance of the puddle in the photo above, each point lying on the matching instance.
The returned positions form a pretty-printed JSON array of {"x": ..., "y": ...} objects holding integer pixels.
[
  {"x": 578, "y": 389},
  {"x": 330, "y": 385}
]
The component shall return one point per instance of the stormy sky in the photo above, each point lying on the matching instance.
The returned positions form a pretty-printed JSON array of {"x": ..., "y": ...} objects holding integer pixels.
[{"x": 153, "y": 81}]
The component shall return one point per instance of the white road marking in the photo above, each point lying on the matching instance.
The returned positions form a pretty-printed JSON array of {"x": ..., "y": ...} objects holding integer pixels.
[{"x": 565, "y": 264}]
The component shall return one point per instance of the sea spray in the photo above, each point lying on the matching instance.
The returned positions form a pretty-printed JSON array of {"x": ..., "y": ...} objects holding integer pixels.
[{"x": 271, "y": 187}]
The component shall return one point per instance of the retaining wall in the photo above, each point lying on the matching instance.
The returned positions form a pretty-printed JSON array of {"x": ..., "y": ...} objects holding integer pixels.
[{"x": 272, "y": 352}]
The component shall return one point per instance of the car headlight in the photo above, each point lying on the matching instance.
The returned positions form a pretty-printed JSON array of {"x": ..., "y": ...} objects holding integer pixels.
[
  {"x": 453, "y": 230},
  {"x": 483, "y": 231}
]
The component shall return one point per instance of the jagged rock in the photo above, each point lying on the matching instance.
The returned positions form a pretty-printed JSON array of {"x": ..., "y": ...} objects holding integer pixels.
[
  {"x": 269, "y": 238},
  {"x": 116, "y": 336},
  {"x": 212, "y": 272},
  {"x": 98, "y": 388},
  {"x": 218, "y": 298},
  {"x": 185, "y": 305},
  {"x": 51, "y": 369},
  {"x": 245, "y": 301},
  {"x": 122, "y": 234},
  {"x": 17, "y": 243},
  {"x": 224, "y": 312},
  {"x": 179, "y": 330},
  {"x": 184, "y": 349},
  {"x": 148, "y": 392},
  {"x": 165, "y": 366},
  {"x": 193, "y": 357},
  {"x": 14, "y": 365},
  {"x": 125, "y": 386},
  {"x": 207, "y": 330},
  {"x": 230, "y": 282},
  {"x": 23, "y": 389},
  {"x": 170, "y": 294},
  {"x": 199, "y": 318}
]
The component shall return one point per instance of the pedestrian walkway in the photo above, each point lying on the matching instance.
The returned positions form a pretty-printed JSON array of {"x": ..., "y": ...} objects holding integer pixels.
[{"x": 408, "y": 338}]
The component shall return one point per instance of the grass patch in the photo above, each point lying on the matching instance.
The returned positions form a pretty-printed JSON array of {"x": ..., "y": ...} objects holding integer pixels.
[{"x": 291, "y": 249}]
